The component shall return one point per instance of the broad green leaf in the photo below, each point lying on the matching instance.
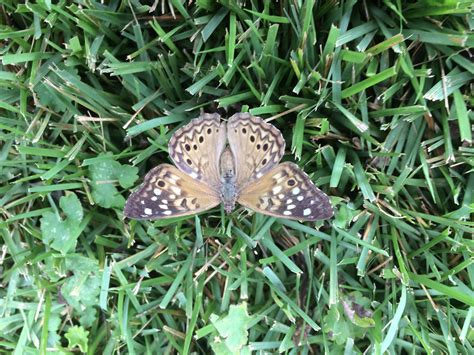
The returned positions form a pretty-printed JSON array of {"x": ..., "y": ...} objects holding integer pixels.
[
  {"x": 62, "y": 233},
  {"x": 336, "y": 326},
  {"x": 81, "y": 290},
  {"x": 357, "y": 309},
  {"x": 349, "y": 319},
  {"x": 77, "y": 337},
  {"x": 232, "y": 330},
  {"x": 105, "y": 175}
]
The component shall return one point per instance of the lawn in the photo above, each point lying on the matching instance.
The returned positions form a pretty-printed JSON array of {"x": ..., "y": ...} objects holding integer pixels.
[{"x": 374, "y": 100}]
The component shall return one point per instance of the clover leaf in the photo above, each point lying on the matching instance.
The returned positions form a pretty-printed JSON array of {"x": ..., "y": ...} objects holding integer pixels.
[
  {"x": 232, "y": 331},
  {"x": 104, "y": 173},
  {"x": 77, "y": 336},
  {"x": 61, "y": 234},
  {"x": 81, "y": 290},
  {"x": 349, "y": 319}
]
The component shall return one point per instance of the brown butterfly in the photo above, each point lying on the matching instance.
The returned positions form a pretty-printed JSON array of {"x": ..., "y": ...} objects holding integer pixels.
[{"x": 247, "y": 171}]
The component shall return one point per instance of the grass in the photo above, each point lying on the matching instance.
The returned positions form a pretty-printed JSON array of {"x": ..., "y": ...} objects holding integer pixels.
[{"x": 374, "y": 99}]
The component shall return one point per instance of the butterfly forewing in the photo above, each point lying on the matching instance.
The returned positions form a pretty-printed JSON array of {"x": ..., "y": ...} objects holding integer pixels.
[
  {"x": 167, "y": 192},
  {"x": 286, "y": 191},
  {"x": 257, "y": 147},
  {"x": 196, "y": 148}
]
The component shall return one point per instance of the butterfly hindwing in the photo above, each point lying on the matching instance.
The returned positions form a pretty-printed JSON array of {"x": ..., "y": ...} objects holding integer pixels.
[
  {"x": 196, "y": 148},
  {"x": 286, "y": 191},
  {"x": 167, "y": 192},
  {"x": 256, "y": 145}
]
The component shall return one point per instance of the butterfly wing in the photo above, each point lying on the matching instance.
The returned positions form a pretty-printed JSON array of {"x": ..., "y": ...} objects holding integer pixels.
[
  {"x": 286, "y": 191},
  {"x": 167, "y": 192},
  {"x": 257, "y": 147},
  {"x": 196, "y": 148}
]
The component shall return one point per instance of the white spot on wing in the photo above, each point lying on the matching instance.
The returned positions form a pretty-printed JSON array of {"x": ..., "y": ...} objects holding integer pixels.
[
  {"x": 289, "y": 201},
  {"x": 300, "y": 198},
  {"x": 163, "y": 207},
  {"x": 306, "y": 212},
  {"x": 277, "y": 176},
  {"x": 176, "y": 190},
  {"x": 148, "y": 211},
  {"x": 168, "y": 212},
  {"x": 194, "y": 175},
  {"x": 142, "y": 202},
  {"x": 287, "y": 213},
  {"x": 295, "y": 191},
  {"x": 157, "y": 192},
  {"x": 154, "y": 198},
  {"x": 276, "y": 189},
  {"x": 259, "y": 175},
  {"x": 173, "y": 178},
  {"x": 290, "y": 207}
]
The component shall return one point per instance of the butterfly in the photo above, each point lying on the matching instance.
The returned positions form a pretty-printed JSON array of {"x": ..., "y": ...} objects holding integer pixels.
[{"x": 234, "y": 162}]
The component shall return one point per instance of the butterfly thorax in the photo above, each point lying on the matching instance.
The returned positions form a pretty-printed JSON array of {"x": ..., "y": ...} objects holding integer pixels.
[{"x": 228, "y": 188}]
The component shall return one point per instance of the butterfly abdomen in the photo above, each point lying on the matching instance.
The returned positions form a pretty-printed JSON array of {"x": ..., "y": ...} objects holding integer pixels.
[
  {"x": 228, "y": 188},
  {"x": 228, "y": 194}
]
